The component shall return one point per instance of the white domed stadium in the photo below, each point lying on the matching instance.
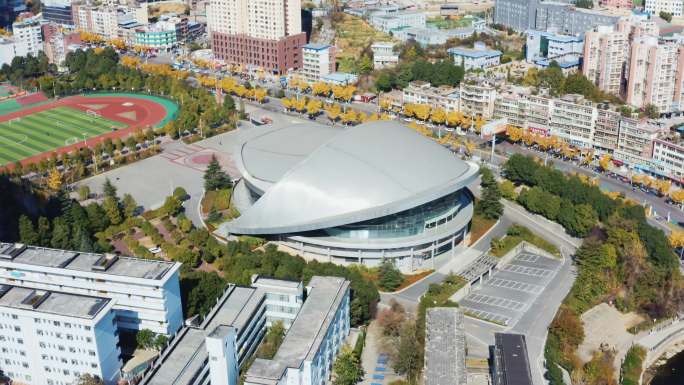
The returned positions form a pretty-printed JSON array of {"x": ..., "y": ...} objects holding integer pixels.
[{"x": 375, "y": 191}]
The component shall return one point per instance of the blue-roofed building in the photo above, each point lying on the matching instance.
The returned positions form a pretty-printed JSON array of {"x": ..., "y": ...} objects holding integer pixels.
[
  {"x": 340, "y": 78},
  {"x": 476, "y": 58},
  {"x": 319, "y": 60}
]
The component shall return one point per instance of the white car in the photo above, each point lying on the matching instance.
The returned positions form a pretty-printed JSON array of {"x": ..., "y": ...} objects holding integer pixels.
[
  {"x": 408, "y": 119},
  {"x": 154, "y": 250}
]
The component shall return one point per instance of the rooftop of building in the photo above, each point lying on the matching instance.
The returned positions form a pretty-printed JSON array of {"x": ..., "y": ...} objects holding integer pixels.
[
  {"x": 316, "y": 46},
  {"x": 90, "y": 262},
  {"x": 339, "y": 77},
  {"x": 513, "y": 367},
  {"x": 45, "y": 301},
  {"x": 307, "y": 332},
  {"x": 474, "y": 53},
  {"x": 187, "y": 355},
  {"x": 565, "y": 64},
  {"x": 445, "y": 347},
  {"x": 383, "y": 44},
  {"x": 284, "y": 283}
]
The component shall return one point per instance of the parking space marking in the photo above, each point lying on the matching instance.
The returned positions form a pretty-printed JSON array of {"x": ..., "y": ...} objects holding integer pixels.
[
  {"x": 488, "y": 316},
  {"x": 532, "y": 258},
  {"x": 515, "y": 285},
  {"x": 531, "y": 271},
  {"x": 505, "y": 303}
]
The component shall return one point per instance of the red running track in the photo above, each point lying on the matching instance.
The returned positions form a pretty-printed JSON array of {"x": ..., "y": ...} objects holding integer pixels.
[{"x": 140, "y": 114}]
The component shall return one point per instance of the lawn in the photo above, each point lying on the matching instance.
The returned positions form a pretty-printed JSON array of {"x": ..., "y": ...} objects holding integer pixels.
[
  {"x": 354, "y": 35},
  {"x": 445, "y": 23},
  {"x": 517, "y": 234},
  {"x": 479, "y": 227},
  {"x": 48, "y": 130}
]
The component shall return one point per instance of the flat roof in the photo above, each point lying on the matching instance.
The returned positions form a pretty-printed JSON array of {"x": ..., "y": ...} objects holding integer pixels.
[
  {"x": 307, "y": 332},
  {"x": 316, "y": 46},
  {"x": 445, "y": 347},
  {"x": 511, "y": 361},
  {"x": 52, "y": 302},
  {"x": 475, "y": 53},
  {"x": 188, "y": 354},
  {"x": 90, "y": 262}
]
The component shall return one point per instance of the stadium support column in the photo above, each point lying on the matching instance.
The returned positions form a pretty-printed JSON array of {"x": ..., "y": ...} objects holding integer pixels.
[
  {"x": 453, "y": 245},
  {"x": 411, "y": 258},
  {"x": 432, "y": 253}
]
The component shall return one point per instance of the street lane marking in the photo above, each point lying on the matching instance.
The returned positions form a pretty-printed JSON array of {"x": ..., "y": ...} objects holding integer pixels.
[{"x": 532, "y": 258}]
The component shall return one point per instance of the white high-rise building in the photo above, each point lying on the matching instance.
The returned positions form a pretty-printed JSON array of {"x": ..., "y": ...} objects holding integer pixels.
[
  {"x": 654, "y": 7},
  {"x": 29, "y": 33},
  {"x": 146, "y": 291},
  {"x": 52, "y": 338}
]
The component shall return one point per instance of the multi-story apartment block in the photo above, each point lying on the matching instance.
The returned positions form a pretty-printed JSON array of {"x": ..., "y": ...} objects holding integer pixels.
[
  {"x": 635, "y": 140},
  {"x": 605, "y": 55},
  {"x": 261, "y": 33},
  {"x": 607, "y": 129},
  {"x": 524, "y": 109},
  {"x": 146, "y": 292},
  {"x": 652, "y": 72},
  {"x": 28, "y": 32},
  {"x": 58, "y": 11},
  {"x": 52, "y": 338},
  {"x": 654, "y": 7},
  {"x": 319, "y": 61},
  {"x": 477, "y": 98},
  {"x": 218, "y": 348},
  {"x": 383, "y": 55},
  {"x": 308, "y": 351},
  {"x": 573, "y": 120},
  {"x": 420, "y": 92},
  {"x": 102, "y": 21},
  {"x": 668, "y": 158},
  {"x": 560, "y": 17}
]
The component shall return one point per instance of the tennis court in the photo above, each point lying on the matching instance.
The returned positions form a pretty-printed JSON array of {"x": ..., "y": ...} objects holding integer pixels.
[{"x": 47, "y": 130}]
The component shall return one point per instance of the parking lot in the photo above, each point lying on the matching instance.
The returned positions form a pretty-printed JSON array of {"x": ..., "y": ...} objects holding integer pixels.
[{"x": 505, "y": 296}]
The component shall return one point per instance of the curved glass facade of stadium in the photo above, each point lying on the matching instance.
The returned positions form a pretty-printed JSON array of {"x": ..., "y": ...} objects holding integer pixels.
[{"x": 406, "y": 223}]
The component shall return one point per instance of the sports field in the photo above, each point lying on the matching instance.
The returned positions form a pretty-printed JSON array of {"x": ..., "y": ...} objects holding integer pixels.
[{"x": 47, "y": 130}]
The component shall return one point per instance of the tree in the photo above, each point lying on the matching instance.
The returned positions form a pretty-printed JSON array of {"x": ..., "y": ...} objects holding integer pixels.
[
  {"x": 61, "y": 234},
  {"x": 347, "y": 368},
  {"x": 651, "y": 111},
  {"x": 89, "y": 379},
  {"x": 407, "y": 353},
  {"x": 109, "y": 190},
  {"x": 490, "y": 205},
  {"x": 180, "y": 193},
  {"x": 665, "y": 16},
  {"x": 389, "y": 277},
  {"x": 577, "y": 220},
  {"x": 160, "y": 341},
  {"x": 44, "y": 231},
  {"x": 54, "y": 179},
  {"x": 214, "y": 177},
  {"x": 145, "y": 338},
  {"x": 172, "y": 206},
  {"x": 604, "y": 162},
  {"x": 507, "y": 189},
  {"x": 111, "y": 208},
  {"x": 272, "y": 340},
  {"x": 27, "y": 234},
  {"x": 130, "y": 206},
  {"x": 83, "y": 192}
]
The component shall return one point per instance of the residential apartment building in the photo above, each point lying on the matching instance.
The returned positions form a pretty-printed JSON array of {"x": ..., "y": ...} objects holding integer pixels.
[
  {"x": 260, "y": 33},
  {"x": 58, "y": 11},
  {"x": 420, "y": 92},
  {"x": 652, "y": 72},
  {"x": 668, "y": 158},
  {"x": 319, "y": 61},
  {"x": 58, "y": 42},
  {"x": 606, "y": 51},
  {"x": 477, "y": 58},
  {"x": 383, "y": 55},
  {"x": 654, "y": 7},
  {"x": 521, "y": 108},
  {"x": 308, "y": 351},
  {"x": 29, "y": 32},
  {"x": 477, "y": 98},
  {"x": 573, "y": 120},
  {"x": 163, "y": 35},
  {"x": 9, "y": 48},
  {"x": 101, "y": 21},
  {"x": 146, "y": 292},
  {"x": 606, "y": 130},
  {"x": 635, "y": 141},
  {"x": 52, "y": 338}
]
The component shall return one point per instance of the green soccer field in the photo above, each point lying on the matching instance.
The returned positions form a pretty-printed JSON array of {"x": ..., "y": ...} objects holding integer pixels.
[{"x": 48, "y": 130}]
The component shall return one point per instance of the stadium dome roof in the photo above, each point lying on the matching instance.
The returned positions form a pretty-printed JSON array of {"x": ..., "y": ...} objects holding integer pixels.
[{"x": 319, "y": 179}]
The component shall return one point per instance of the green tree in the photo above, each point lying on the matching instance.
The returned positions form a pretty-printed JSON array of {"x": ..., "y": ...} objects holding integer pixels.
[
  {"x": 347, "y": 368},
  {"x": 389, "y": 277},
  {"x": 408, "y": 352},
  {"x": 228, "y": 103},
  {"x": 272, "y": 340},
  {"x": 89, "y": 379},
  {"x": 577, "y": 220},
  {"x": 651, "y": 111},
  {"x": 172, "y": 206},
  {"x": 83, "y": 192},
  {"x": 112, "y": 210},
  {"x": 180, "y": 193},
  {"x": 665, "y": 16},
  {"x": 214, "y": 177},
  {"x": 27, "y": 234},
  {"x": 44, "y": 231},
  {"x": 160, "y": 341},
  {"x": 61, "y": 234},
  {"x": 384, "y": 82},
  {"x": 588, "y": 4},
  {"x": 130, "y": 206},
  {"x": 145, "y": 338},
  {"x": 109, "y": 190},
  {"x": 490, "y": 205}
]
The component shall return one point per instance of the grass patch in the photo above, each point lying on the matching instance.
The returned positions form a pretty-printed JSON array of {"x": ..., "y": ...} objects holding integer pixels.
[
  {"x": 517, "y": 234},
  {"x": 479, "y": 227},
  {"x": 354, "y": 34},
  {"x": 449, "y": 23},
  {"x": 218, "y": 207},
  {"x": 633, "y": 365}
]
